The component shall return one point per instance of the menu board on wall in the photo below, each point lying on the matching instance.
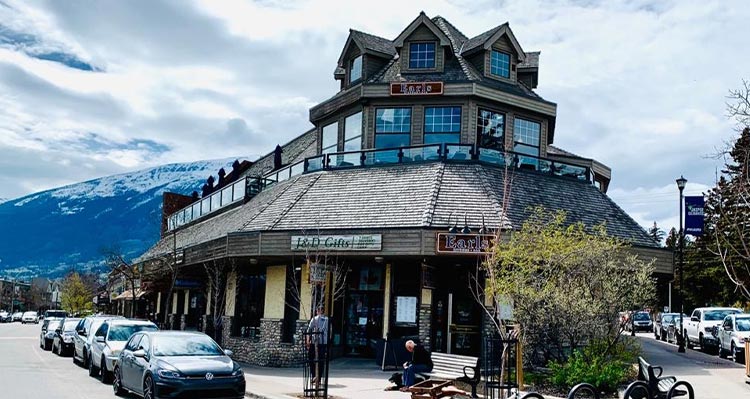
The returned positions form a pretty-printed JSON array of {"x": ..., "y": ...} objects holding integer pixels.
[{"x": 406, "y": 309}]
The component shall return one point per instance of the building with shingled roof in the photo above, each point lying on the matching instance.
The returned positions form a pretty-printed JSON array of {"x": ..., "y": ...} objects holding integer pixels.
[{"x": 402, "y": 180}]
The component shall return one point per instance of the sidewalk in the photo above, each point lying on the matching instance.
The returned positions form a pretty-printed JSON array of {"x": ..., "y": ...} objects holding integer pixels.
[{"x": 348, "y": 378}]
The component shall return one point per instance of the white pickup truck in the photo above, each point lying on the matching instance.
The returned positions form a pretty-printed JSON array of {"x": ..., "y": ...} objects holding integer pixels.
[{"x": 699, "y": 328}]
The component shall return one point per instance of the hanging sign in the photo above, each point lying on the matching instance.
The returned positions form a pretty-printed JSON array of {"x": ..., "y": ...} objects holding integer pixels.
[
  {"x": 464, "y": 244},
  {"x": 369, "y": 242},
  {"x": 416, "y": 88},
  {"x": 694, "y": 215}
]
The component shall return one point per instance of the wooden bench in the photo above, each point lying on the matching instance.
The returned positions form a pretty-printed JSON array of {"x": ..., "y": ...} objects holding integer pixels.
[
  {"x": 658, "y": 385},
  {"x": 456, "y": 368}
]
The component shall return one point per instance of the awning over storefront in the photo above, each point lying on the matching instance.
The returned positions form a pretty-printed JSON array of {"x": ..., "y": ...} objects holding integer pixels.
[{"x": 128, "y": 294}]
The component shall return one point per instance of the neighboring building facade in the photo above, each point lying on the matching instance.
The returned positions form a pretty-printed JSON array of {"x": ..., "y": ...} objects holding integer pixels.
[{"x": 402, "y": 179}]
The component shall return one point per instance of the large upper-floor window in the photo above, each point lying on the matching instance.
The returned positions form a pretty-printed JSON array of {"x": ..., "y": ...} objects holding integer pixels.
[
  {"x": 491, "y": 129},
  {"x": 355, "y": 70},
  {"x": 392, "y": 127},
  {"x": 442, "y": 125},
  {"x": 526, "y": 135},
  {"x": 330, "y": 138},
  {"x": 500, "y": 64},
  {"x": 422, "y": 55},
  {"x": 353, "y": 132}
]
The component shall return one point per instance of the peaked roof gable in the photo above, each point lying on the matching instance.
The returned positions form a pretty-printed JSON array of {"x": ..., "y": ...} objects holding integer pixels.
[
  {"x": 369, "y": 44},
  {"x": 486, "y": 39},
  {"x": 422, "y": 19}
]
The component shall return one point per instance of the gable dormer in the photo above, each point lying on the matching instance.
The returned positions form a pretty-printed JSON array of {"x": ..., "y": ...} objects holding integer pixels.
[
  {"x": 496, "y": 53},
  {"x": 422, "y": 46},
  {"x": 362, "y": 56}
]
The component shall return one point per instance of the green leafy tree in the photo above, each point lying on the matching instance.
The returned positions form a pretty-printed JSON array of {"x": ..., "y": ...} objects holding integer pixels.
[
  {"x": 567, "y": 284},
  {"x": 75, "y": 296}
]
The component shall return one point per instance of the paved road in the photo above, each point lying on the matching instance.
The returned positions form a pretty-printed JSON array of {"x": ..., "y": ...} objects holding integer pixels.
[
  {"x": 711, "y": 376},
  {"x": 27, "y": 371}
]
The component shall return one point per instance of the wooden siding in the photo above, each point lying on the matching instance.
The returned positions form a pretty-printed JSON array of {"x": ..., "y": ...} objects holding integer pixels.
[
  {"x": 478, "y": 61},
  {"x": 530, "y": 104},
  {"x": 330, "y": 106},
  {"x": 662, "y": 258},
  {"x": 371, "y": 65}
]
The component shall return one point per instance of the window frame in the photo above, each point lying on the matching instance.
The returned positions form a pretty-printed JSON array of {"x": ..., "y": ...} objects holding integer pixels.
[
  {"x": 510, "y": 59},
  {"x": 335, "y": 145},
  {"x": 361, "y": 130},
  {"x": 516, "y": 142},
  {"x": 425, "y": 133},
  {"x": 361, "y": 69},
  {"x": 434, "y": 55},
  {"x": 376, "y": 132},
  {"x": 481, "y": 108}
]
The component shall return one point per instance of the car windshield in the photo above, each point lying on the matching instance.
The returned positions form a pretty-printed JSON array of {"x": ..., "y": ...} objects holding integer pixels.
[
  {"x": 123, "y": 332},
  {"x": 55, "y": 313},
  {"x": 187, "y": 345},
  {"x": 743, "y": 324},
  {"x": 667, "y": 318},
  {"x": 641, "y": 316},
  {"x": 718, "y": 315},
  {"x": 53, "y": 325},
  {"x": 32, "y": 314},
  {"x": 70, "y": 325}
]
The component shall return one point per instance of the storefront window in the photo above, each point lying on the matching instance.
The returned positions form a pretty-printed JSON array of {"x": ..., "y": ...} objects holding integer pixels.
[
  {"x": 353, "y": 132},
  {"x": 526, "y": 141},
  {"x": 490, "y": 129},
  {"x": 364, "y": 310},
  {"x": 330, "y": 138},
  {"x": 249, "y": 305},
  {"x": 442, "y": 125},
  {"x": 392, "y": 127}
]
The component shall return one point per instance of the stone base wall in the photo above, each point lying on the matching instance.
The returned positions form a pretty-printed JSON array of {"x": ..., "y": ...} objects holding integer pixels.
[
  {"x": 425, "y": 326},
  {"x": 267, "y": 349}
]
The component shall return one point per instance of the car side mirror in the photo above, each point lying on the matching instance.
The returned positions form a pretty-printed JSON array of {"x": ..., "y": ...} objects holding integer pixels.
[
  {"x": 82, "y": 333},
  {"x": 728, "y": 328},
  {"x": 228, "y": 352},
  {"x": 140, "y": 353},
  {"x": 100, "y": 339},
  {"x": 694, "y": 319}
]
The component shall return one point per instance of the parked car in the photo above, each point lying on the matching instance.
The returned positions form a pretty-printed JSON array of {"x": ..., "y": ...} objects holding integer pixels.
[
  {"x": 109, "y": 340},
  {"x": 18, "y": 316},
  {"x": 5, "y": 317},
  {"x": 85, "y": 335},
  {"x": 639, "y": 321},
  {"x": 47, "y": 335},
  {"x": 59, "y": 314},
  {"x": 662, "y": 322},
  {"x": 699, "y": 328},
  {"x": 62, "y": 343},
  {"x": 30, "y": 317},
  {"x": 733, "y": 333},
  {"x": 177, "y": 364}
]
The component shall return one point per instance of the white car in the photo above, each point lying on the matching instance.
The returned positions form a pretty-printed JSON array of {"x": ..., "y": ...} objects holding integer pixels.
[
  {"x": 109, "y": 340},
  {"x": 699, "y": 329},
  {"x": 733, "y": 334},
  {"x": 30, "y": 317}
]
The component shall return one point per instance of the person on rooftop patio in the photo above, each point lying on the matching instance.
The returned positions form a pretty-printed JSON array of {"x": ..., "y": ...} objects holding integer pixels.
[{"x": 421, "y": 362}]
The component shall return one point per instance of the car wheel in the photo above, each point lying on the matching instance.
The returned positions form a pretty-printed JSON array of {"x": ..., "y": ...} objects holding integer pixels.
[
  {"x": 148, "y": 388},
  {"x": 86, "y": 361},
  {"x": 93, "y": 372},
  {"x": 733, "y": 352},
  {"x": 117, "y": 383},
  {"x": 688, "y": 342},
  {"x": 47, "y": 345},
  {"x": 60, "y": 350},
  {"x": 105, "y": 375}
]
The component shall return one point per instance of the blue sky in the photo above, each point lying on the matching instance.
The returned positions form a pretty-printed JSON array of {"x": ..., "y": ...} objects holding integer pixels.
[{"x": 91, "y": 89}]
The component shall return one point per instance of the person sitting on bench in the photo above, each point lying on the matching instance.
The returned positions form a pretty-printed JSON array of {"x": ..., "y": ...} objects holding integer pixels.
[{"x": 421, "y": 362}]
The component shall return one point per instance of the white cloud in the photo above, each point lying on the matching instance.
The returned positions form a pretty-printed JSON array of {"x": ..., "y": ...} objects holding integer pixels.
[{"x": 640, "y": 85}]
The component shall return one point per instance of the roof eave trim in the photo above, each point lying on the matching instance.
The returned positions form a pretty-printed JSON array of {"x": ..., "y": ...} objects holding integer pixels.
[
  {"x": 422, "y": 19},
  {"x": 505, "y": 30},
  {"x": 348, "y": 43}
]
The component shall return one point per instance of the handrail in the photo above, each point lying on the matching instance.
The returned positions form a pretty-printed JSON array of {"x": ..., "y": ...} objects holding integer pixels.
[{"x": 443, "y": 152}]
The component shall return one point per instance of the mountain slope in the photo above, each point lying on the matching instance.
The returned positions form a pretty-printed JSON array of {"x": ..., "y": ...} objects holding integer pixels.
[{"x": 49, "y": 232}]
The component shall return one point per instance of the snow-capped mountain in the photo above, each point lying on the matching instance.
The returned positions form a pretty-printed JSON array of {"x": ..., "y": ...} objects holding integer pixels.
[{"x": 52, "y": 231}]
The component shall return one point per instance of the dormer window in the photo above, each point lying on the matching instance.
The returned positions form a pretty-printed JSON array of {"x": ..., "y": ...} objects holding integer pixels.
[
  {"x": 422, "y": 55},
  {"x": 355, "y": 70},
  {"x": 500, "y": 64}
]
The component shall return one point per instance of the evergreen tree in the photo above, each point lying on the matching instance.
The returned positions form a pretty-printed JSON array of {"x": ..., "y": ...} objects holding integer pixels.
[
  {"x": 672, "y": 238},
  {"x": 656, "y": 233}
]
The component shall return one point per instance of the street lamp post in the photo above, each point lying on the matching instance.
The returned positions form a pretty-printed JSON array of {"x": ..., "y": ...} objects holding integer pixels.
[{"x": 681, "y": 182}]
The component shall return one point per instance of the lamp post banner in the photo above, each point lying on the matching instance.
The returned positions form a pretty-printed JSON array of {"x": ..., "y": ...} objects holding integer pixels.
[{"x": 694, "y": 215}]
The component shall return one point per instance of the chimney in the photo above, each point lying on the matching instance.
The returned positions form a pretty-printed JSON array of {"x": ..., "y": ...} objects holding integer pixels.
[{"x": 277, "y": 157}]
